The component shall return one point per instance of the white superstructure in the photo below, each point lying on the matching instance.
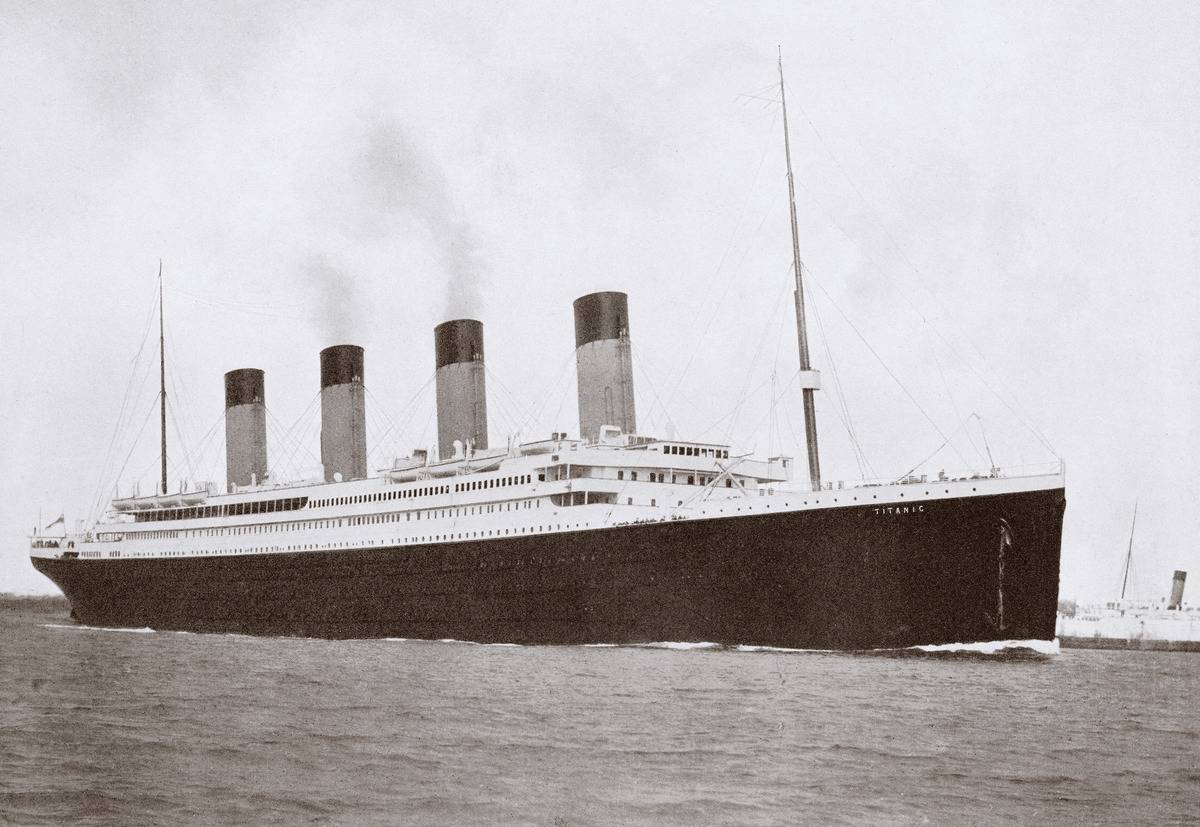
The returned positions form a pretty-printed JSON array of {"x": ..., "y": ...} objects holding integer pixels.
[{"x": 537, "y": 488}]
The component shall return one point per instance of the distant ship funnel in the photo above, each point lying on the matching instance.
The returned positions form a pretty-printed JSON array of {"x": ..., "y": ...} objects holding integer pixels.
[
  {"x": 461, "y": 392},
  {"x": 245, "y": 427},
  {"x": 604, "y": 364},
  {"x": 343, "y": 413},
  {"x": 1177, "y": 590}
]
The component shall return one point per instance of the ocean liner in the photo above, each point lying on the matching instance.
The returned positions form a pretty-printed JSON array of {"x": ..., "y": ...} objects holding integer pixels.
[
  {"x": 611, "y": 536},
  {"x": 1163, "y": 624}
]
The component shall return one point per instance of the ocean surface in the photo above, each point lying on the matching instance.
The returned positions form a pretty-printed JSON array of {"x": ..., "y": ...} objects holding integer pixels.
[{"x": 131, "y": 727}]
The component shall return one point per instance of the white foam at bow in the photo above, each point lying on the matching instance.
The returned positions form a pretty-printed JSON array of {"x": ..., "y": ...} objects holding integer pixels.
[{"x": 991, "y": 647}]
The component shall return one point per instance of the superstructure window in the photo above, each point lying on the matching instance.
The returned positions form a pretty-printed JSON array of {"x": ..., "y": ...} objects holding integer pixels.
[{"x": 230, "y": 510}]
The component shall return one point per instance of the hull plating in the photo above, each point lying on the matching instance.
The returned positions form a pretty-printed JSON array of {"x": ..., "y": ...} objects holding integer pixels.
[{"x": 860, "y": 577}]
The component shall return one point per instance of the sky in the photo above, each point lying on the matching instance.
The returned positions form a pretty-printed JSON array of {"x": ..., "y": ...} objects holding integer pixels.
[{"x": 997, "y": 203}]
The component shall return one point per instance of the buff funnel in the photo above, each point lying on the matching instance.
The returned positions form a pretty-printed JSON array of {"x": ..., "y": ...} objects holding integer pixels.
[
  {"x": 461, "y": 390},
  {"x": 245, "y": 427},
  {"x": 343, "y": 413},
  {"x": 604, "y": 364}
]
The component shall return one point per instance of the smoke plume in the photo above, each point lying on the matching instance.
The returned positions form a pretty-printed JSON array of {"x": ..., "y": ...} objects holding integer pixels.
[
  {"x": 404, "y": 183},
  {"x": 336, "y": 311}
]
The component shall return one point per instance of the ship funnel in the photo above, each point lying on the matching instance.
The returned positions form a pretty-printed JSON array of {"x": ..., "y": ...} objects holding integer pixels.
[
  {"x": 1177, "y": 590},
  {"x": 343, "y": 413},
  {"x": 245, "y": 427},
  {"x": 604, "y": 364},
  {"x": 461, "y": 395}
]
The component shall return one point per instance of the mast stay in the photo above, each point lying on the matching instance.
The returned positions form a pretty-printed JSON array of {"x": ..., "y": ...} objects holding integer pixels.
[
  {"x": 809, "y": 378},
  {"x": 1129, "y": 554}
]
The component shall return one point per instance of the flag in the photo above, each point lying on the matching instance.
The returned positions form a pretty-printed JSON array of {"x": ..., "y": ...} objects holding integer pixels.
[{"x": 62, "y": 518}]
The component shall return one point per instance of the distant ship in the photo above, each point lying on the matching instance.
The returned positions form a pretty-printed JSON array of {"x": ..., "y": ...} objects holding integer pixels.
[
  {"x": 1163, "y": 624},
  {"x": 613, "y": 536}
]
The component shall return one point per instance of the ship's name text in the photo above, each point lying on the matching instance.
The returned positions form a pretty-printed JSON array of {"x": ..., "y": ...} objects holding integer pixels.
[{"x": 898, "y": 510}]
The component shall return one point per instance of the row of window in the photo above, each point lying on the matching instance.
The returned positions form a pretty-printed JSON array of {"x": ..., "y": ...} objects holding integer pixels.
[
  {"x": 398, "y": 541},
  {"x": 692, "y": 479},
  {"x": 307, "y": 525},
  {"x": 425, "y": 491},
  {"x": 230, "y": 510},
  {"x": 497, "y": 532},
  {"x": 497, "y": 482},
  {"x": 586, "y": 498},
  {"x": 696, "y": 451},
  {"x": 296, "y": 503},
  {"x": 444, "y": 513},
  {"x": 397, "y": 494}
]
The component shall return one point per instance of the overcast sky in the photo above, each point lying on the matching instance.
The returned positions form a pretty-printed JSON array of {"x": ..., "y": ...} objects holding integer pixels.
[{"x": 998, "y": 204}]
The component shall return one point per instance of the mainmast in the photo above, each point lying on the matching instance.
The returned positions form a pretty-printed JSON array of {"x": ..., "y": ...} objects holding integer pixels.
[
  {"x": 1129, "y": 554},
  {"x": 162, "y": 381},
  {"x": 809, "y": 378}
]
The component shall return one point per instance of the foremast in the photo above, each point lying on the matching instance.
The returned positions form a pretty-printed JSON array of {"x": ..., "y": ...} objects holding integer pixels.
[
  {"x": 809, "y": 378},
  {"x": 162, "y": 384}
]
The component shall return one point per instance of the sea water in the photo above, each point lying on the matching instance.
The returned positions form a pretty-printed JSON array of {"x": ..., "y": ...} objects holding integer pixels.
[{"x": 127, "y": 727}]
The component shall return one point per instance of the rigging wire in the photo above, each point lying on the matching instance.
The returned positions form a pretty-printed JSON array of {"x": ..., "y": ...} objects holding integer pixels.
[
  {"x": 298, "y": 439},
  {"x": 124, "y": 412},
  {"x": 296, "y": 442},
  {"x": 889, "y": 371},
  {"x": 654, "y": 368},
  {"x": 285, "y": 468},
  {"x": 716, "y": 306},
  {"x": 565, "y": 367},
  {"x": 671, "y": 427},
  {"x": 860, "y": 456},
  {"x": 734, "y": 410},
  {"x": 375, "y": 421},
  {"x": 954, "y": 405},
  {"x": 510, "y": 419},
  {"x": 205, "y": 445},
  {"x": 745, "y": 97},
  {"x": 786, "y": 288},
  {"x": 947, "y": 440},
  {"x": 132, "y": 448},
  {"x": 1014, "y": 405},
  {"x": 765, "y": 419},
  {"x": 525, "y": 414},
  {"x": 425, "y": 431},
  {"x": 404, "y": 415},
  {"x": 187, "y": 459},
  {"x": 179, "y": 410},
  {"x": 562, "y": 395}
]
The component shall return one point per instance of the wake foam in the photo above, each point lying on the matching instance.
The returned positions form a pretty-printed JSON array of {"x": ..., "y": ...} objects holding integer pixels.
[
  {"x": 80, "y": 627},
  {"x": 994, "y": 647},
  {"x": 745, "y": 648}
]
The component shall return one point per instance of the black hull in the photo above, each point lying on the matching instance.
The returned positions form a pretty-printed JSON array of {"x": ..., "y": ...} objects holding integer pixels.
[{"x": 856, "y": 577}]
